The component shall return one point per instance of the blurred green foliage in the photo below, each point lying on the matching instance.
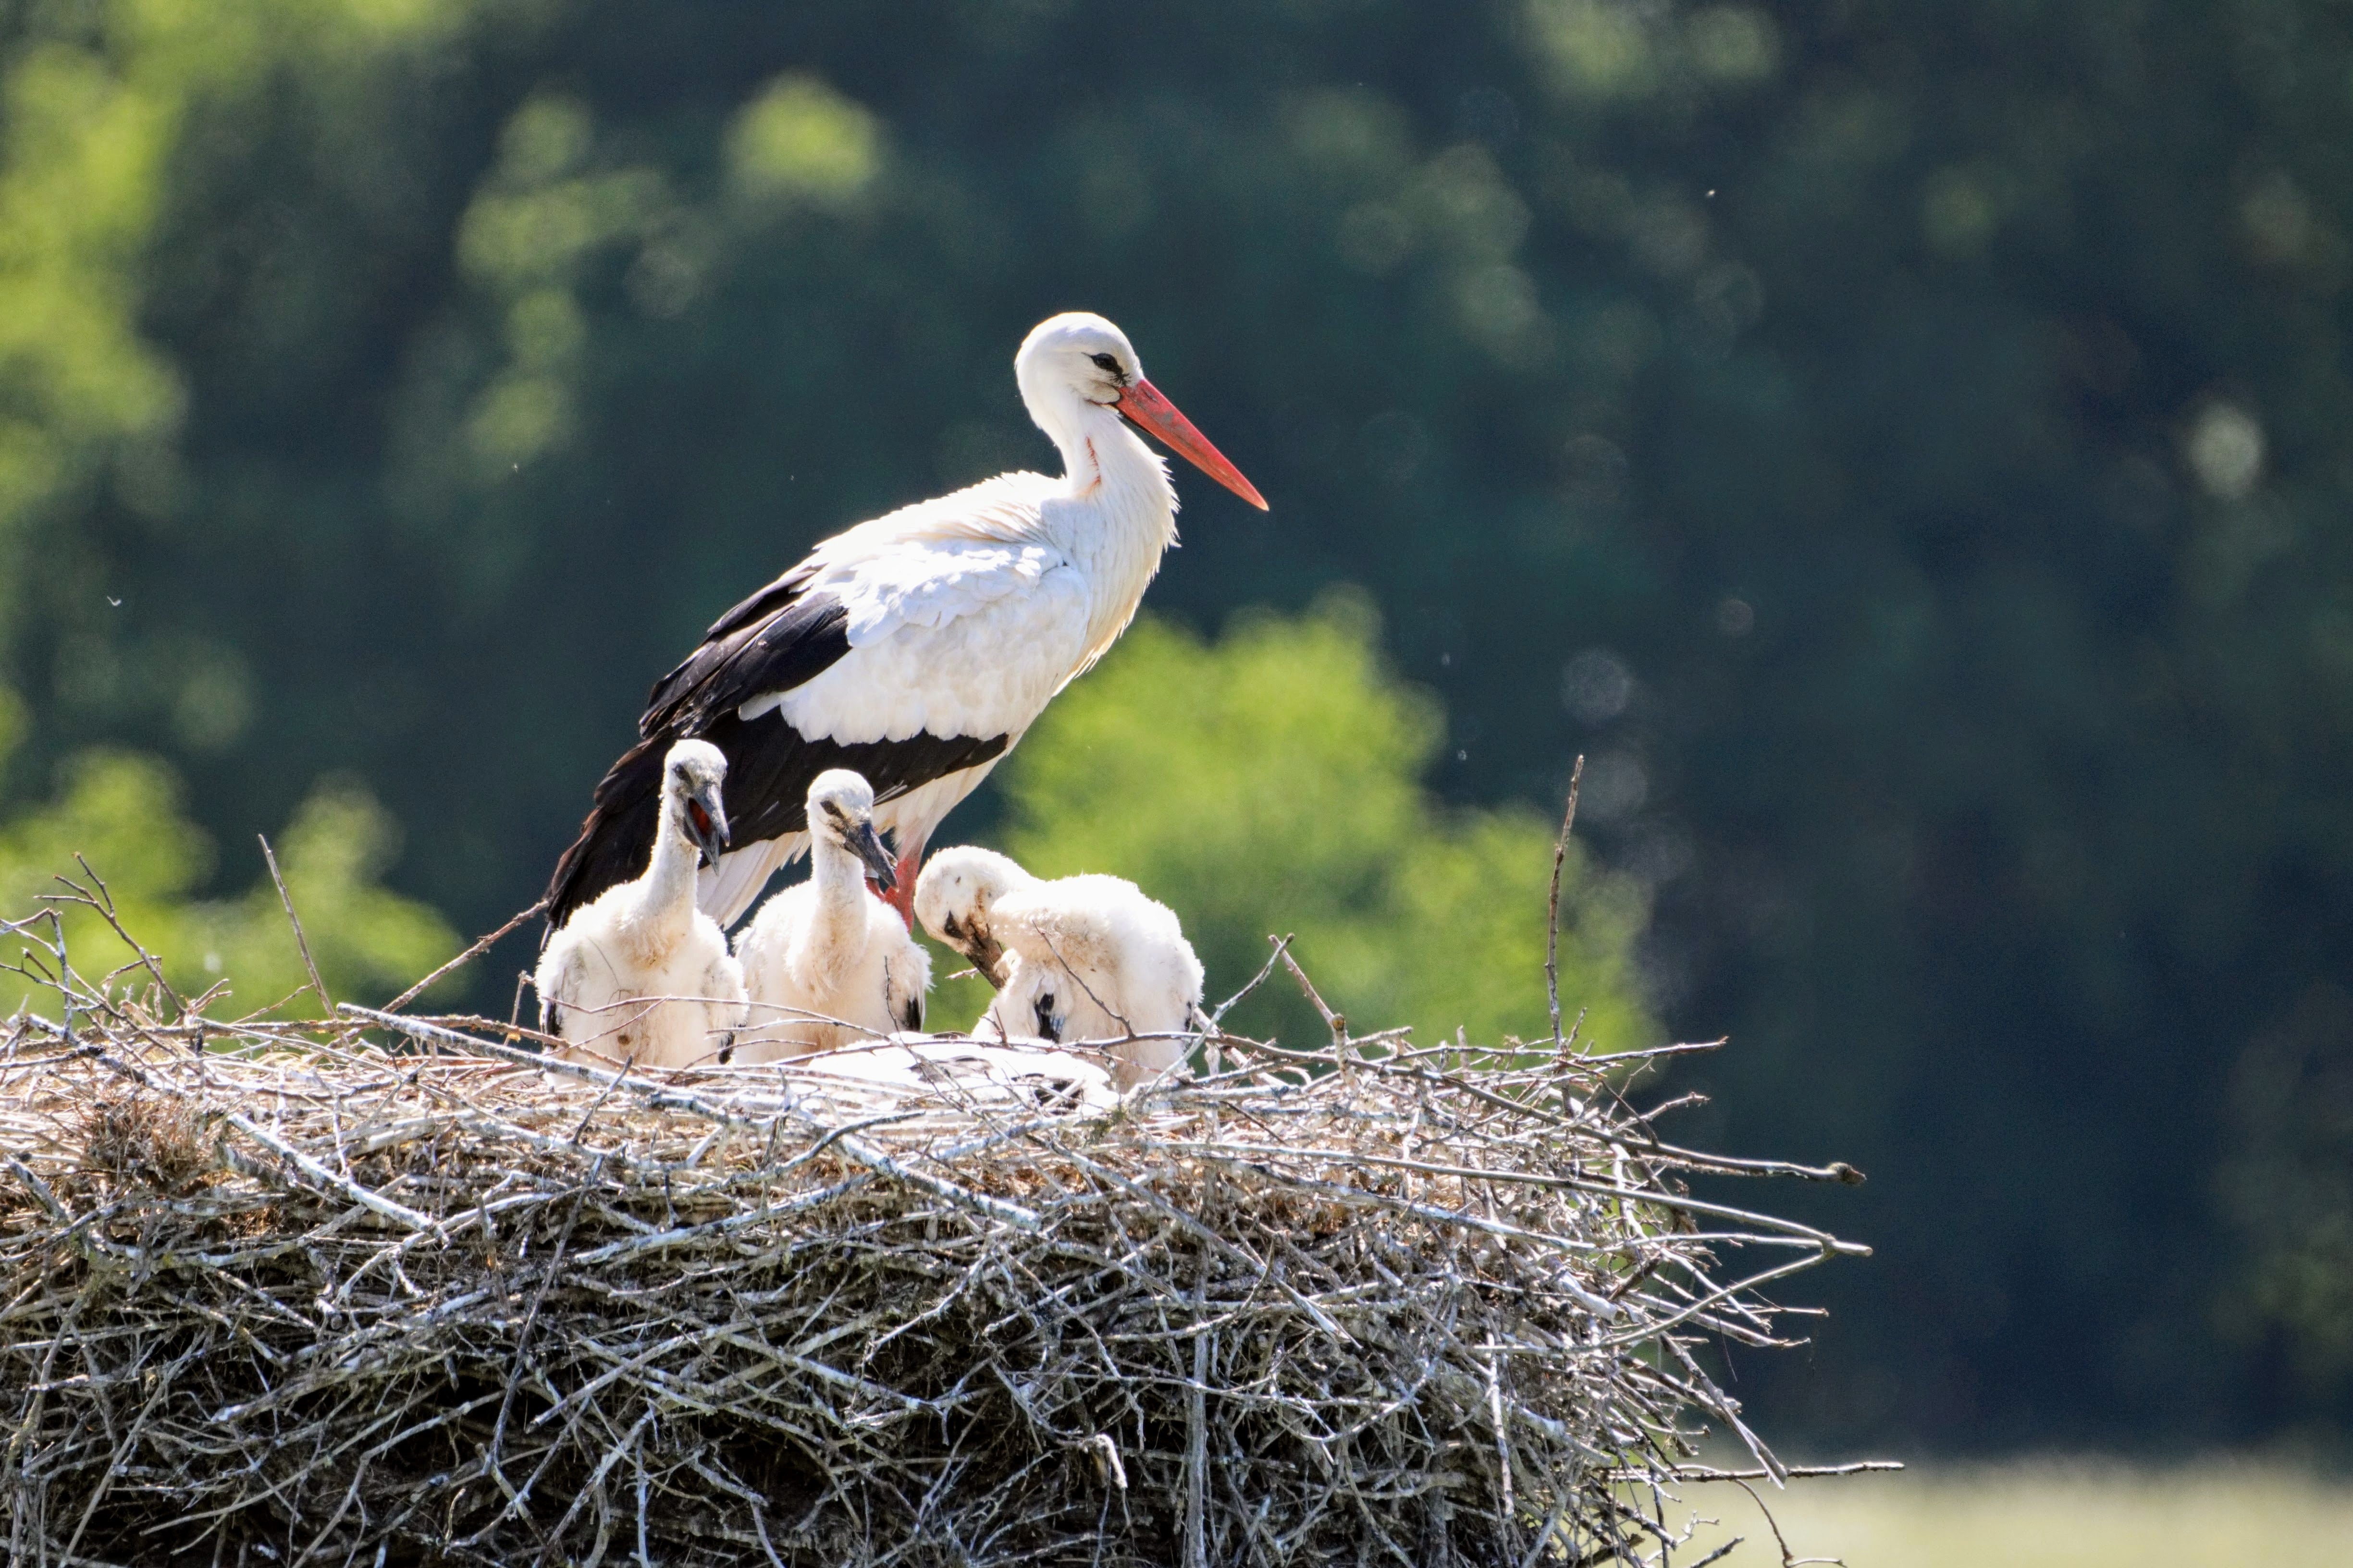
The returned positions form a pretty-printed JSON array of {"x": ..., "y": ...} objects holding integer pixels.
[
  {"x": 1906, "y": 445},
  {"x": 118, "y": 828},
  {"x": 1271, "y": 785}
]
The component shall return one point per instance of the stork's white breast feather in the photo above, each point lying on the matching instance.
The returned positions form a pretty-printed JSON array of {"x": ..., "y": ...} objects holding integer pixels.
[{"x": 954, "y": 628}]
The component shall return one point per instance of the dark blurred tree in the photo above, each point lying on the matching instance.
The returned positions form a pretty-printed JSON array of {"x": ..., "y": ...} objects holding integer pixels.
[
  {"x": 2289, "y": 1188},
  {"x": 1905, "y": 445}
]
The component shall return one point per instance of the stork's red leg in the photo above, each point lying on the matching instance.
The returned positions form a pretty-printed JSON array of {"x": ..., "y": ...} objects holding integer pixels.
[{"x": 902, "y": 896}]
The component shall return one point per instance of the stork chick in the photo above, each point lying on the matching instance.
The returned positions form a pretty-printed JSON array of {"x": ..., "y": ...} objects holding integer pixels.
[
  {"x": 828, "y": 964},
  {"x": 640, "y": 975},
  {"x": 1084, "y": 957}
]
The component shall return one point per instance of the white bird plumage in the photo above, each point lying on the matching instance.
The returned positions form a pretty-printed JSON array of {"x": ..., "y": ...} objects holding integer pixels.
[
  {"x": 1089, "y": 958},
  {"x": 605, "y": 973},
  {"x": 918, "y": 648},
  {"x": 826, "y": 962},
  {"x": 948, "y": 636}
]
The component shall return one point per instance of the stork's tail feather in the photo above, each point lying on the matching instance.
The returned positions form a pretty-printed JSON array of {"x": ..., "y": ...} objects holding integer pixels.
[{"x": 618, "y": 835}]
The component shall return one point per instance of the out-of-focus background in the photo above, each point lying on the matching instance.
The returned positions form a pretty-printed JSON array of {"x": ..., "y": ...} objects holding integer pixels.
[{"x": 1906, "y": 448}]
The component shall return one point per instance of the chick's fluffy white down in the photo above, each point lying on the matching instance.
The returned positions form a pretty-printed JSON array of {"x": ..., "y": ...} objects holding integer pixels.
[
  {"x": 600, "y": 972},
  {"x": 850, "y": 963},
  {"x": 1094, "y": 959}
]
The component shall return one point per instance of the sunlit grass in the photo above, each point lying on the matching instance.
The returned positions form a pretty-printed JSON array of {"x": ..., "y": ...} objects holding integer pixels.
[{"x": 2043, "y": 1514}]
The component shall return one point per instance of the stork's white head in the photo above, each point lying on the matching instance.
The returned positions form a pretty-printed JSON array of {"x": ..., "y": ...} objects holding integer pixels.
[
  {"x": 841, "y": 815},
  {"x": 693, "y": 775},
  {"x": 953, "y": 898},
  {"x": 1075, "y": 356},
  {"x": 1075, "y": 365}
]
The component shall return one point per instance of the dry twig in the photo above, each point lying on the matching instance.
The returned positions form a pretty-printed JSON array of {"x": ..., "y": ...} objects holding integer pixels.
[
  {"x": 310, "y": 965},
  {"x": 1552, "y": 908}
]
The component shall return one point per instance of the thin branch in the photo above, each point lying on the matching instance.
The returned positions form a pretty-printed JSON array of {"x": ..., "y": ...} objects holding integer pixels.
[
  {"x": 1552, "y": 914},
  {"x": 104, "y": 904},
  {"x": 481, "y": 946},
  {"x": 1778, "y": 1539},
  {"x": 1859, "y": 1467},
  {"x": 302, "y": 941},
  {"x": 1332, "y": 1020},
  {"x": 399, "y": 1213},
  {"x": 1218, "y": 1018}
]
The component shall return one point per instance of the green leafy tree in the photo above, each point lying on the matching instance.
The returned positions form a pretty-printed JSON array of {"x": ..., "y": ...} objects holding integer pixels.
[
  {"x": 120, "y": 816},
  {"x": 1271, "y": 783}
]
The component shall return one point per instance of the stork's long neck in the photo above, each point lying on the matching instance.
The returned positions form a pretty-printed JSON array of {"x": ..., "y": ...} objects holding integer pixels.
[
  {"x": 667, "y": 887},
  {"x": 837, "y": 933},
  {"x": 1122, "y": 518}
]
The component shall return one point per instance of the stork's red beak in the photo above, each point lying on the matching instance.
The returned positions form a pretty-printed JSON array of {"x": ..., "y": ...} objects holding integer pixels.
[{"x": 1141, "y": 401}]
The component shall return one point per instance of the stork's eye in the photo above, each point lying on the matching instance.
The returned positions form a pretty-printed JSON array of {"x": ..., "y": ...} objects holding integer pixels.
[{"x": 1106, "y": 363}]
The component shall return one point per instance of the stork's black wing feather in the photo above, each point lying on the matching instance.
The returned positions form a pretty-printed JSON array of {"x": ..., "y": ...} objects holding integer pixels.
[
  {"x": 617, "y": 838},
  {"x": 780, "y": 637},
  {"x": 770, "y": 766},
  {"x": 774, "y": 641}
]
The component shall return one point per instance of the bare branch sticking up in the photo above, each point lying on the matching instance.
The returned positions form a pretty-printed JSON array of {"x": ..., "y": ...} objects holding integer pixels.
[
  {"x": 1332, "y": 1020},
  {"x": 102, "y": 902},
  {"x": 1552, "y": 914},
  {"x": 1256, "y": 980},
  {"x": 326, "y": 1003},
  {"x": 481, "y": 946}
]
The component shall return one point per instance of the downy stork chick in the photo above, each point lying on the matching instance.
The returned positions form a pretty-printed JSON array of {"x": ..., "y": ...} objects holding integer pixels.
[
  {"x": 604, "y": 977},
  {"x": 1086, "y": 958},
  {"x": 827, "y": 947}
]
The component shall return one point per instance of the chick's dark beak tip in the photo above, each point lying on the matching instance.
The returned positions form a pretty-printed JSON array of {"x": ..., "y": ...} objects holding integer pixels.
[
  {"x": 868, "y": 846},
  {"x": 707, "y": 820}
]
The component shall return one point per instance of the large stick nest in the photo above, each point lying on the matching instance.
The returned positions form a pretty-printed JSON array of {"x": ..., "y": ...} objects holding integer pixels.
[{"x": 396, "y": 1293}]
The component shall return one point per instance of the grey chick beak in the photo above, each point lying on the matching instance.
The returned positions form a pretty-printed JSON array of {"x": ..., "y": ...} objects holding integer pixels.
[
  {"x": 867, "y": 845},
  {"x": 706, "y": 823}
]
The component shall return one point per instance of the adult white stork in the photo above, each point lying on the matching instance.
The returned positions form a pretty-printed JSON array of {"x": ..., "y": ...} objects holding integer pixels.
[{"x": 916, "y": 649}]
